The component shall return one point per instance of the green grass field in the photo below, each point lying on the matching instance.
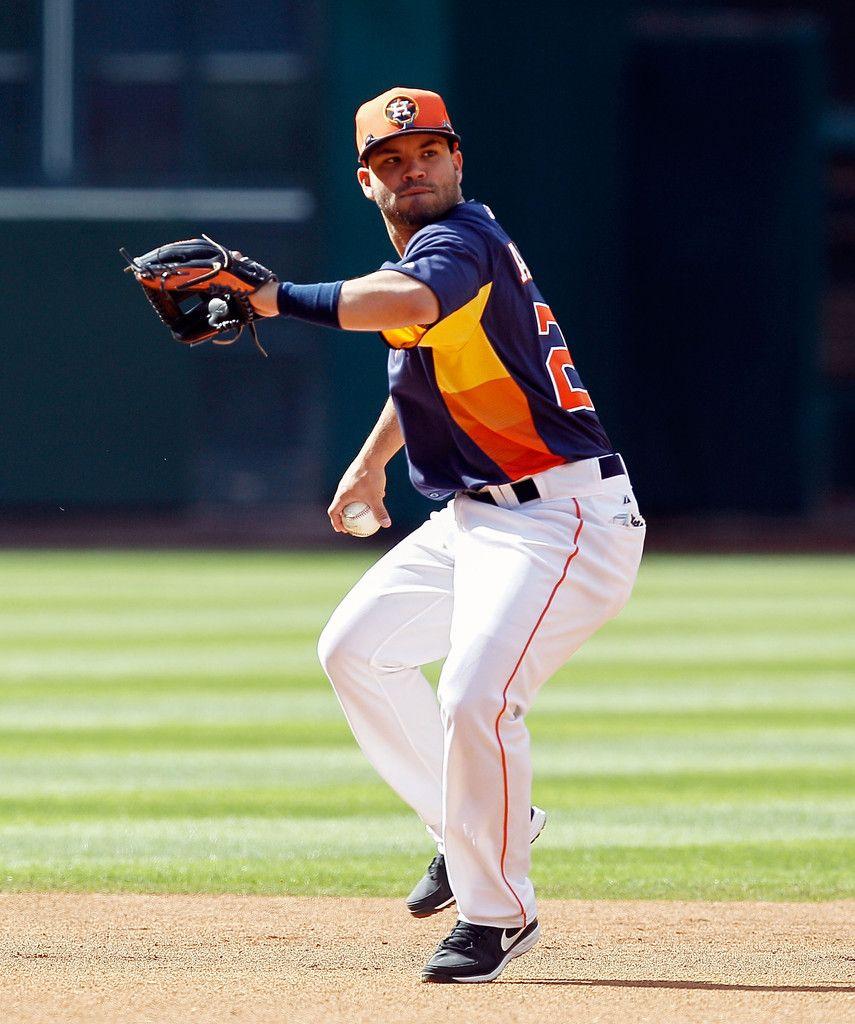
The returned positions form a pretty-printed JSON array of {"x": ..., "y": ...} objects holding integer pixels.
[{"x": 165, "y": 726}]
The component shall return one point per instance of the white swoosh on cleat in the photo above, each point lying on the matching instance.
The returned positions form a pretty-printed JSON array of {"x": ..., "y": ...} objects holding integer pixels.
[{"x": 508, "y": 942}]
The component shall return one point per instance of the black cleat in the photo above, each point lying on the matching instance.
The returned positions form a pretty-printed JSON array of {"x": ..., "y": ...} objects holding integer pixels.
[
  {"x": 478, "y": 952},
  {"x": 433, "y": 893}
]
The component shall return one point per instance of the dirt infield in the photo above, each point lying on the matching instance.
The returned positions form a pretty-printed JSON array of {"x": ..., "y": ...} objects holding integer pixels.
[{"x": 164, "y": 959}]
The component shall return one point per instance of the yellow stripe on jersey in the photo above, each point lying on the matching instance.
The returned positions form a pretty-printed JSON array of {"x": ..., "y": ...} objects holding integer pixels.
[
  {"x": 468, "y": 367},
  {"x": 451, "y": 333}
]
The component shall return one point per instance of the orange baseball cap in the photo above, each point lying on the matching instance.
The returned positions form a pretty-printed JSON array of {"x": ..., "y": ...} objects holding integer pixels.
[{"x": 400, "y": 110}]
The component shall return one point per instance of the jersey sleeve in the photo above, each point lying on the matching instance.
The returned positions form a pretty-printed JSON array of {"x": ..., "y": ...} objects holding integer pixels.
[{"x": 452, "y": 261}]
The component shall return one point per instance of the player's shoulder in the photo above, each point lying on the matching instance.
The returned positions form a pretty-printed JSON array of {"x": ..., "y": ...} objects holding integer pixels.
[{"x": 477, "y": 215}]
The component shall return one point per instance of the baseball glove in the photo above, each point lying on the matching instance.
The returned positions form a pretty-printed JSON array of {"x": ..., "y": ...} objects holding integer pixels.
[{"x": 200, "y": 289}]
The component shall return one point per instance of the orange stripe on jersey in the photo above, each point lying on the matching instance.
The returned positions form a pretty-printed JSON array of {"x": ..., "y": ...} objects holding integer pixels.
[
  {"x": 488, "y": 405},
  {"x": 494, "y": 418}
]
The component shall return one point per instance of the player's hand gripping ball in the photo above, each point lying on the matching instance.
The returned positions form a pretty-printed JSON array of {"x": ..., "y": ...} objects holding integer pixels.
[{"x": 358, "y": 519}]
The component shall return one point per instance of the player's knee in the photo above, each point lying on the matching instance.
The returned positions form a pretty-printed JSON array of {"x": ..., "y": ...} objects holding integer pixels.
[
  {"x": 473, "y": 706},
  {"x": 342, "y": 647},
  {"x": 335, "y": 649}
]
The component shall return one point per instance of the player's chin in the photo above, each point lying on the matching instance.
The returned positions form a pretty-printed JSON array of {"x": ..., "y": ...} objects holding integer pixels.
[
  {"x": 416, "y": 202},
  {"x": 420, "y": 207}
]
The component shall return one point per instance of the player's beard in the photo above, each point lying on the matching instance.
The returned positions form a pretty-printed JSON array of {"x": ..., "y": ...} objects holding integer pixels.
[{"x": 421, "y": 209}]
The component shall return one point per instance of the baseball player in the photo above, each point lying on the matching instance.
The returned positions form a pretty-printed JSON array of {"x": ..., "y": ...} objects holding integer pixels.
[{"x": 535, "y": 545}]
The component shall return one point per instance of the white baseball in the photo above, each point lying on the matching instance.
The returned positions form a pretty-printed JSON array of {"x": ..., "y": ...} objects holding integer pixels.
[
  {"x": 218, "y": 311},
  {"x": 358, "y": 519}
]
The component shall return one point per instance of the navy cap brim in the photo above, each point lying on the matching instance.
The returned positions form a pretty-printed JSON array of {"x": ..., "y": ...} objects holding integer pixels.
[{"x": 415, "y": 130}]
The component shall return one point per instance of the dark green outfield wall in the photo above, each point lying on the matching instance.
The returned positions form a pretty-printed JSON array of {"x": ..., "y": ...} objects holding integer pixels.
[
  {"x": 92, "y": 412},
  {"x": 101, "y": 409},
  {"x": 722, "y": 393}
]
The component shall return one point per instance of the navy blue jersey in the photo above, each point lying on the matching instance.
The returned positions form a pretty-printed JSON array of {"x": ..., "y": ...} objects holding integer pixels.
[{"x": 488, "y": 393}]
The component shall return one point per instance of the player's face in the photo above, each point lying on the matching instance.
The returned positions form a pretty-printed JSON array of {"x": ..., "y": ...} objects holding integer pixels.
[{"x": 414, "y": 179}]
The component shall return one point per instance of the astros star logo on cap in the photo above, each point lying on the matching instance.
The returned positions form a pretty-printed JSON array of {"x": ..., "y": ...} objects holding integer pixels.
[{"x": 402, "y": 111}]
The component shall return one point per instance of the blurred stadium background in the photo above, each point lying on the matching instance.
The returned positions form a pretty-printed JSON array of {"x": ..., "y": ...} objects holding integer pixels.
[{"x": 680, "y": 177}]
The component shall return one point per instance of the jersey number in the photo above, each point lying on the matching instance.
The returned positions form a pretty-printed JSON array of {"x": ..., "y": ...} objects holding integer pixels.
[{"x": 570, "y": 392}]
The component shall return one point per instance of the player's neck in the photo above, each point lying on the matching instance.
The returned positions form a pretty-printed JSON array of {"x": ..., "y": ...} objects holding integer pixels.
[{"x": 400, "y": 234}]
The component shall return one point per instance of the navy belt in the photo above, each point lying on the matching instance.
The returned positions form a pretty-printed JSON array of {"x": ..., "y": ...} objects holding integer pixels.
[{"x": 526, "y": 490}]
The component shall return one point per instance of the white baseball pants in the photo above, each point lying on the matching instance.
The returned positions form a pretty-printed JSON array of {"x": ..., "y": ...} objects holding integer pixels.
[{"x": 506, "y": 594}]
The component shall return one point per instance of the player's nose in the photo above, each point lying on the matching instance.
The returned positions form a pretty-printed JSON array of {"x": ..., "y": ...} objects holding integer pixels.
[{"x": 414, "y": 170}]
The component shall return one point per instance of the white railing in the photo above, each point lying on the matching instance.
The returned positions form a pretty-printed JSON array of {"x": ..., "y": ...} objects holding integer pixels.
[{"x": 267, "y": 205}]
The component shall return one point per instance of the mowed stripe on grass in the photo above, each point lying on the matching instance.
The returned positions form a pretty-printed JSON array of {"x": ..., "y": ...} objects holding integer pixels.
[{"x": 165, "y": 726}]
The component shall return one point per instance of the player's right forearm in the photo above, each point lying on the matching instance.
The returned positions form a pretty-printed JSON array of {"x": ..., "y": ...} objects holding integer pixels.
[
  {"x": 384, "y": 441},
  {"x": 364, "y": 480}
]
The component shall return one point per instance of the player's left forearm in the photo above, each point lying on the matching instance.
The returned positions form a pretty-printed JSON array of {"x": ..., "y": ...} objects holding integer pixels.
[
  {"x": 385, "y": 300},
  {"x": 380, "y": 301}
]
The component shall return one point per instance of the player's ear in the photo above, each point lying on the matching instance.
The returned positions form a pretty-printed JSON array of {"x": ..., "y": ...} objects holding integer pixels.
[
  {"x": 364, "y": 179},
  {"x": 457, "y": 160}
]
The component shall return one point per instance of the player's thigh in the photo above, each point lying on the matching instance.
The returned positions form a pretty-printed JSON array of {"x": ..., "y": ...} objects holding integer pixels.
[
  {"x": 532, "y": 584},
  {"x": 399, "y": 612}
]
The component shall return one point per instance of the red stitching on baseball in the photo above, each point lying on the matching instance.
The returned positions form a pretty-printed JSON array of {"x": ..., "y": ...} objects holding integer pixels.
[{"x": 563, "y": 576}]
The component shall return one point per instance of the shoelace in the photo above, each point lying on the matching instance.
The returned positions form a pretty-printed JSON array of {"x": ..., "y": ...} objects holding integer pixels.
[
  {"x": 436, "y": 866},
  {"x": 463, "y": 936}
]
